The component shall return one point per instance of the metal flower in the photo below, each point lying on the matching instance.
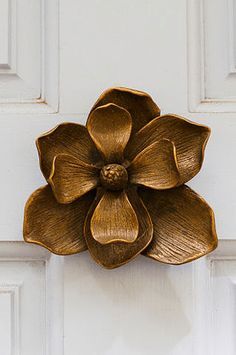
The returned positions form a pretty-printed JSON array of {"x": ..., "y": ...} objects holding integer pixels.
[{"x": 116, "y": 187}]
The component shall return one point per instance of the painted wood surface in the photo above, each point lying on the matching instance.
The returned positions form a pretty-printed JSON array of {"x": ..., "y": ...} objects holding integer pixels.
[{"x": 55, "y": 60}]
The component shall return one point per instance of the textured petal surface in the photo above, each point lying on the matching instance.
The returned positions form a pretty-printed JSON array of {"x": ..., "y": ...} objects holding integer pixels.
[
  {"x": 189, "y": 139},
  {"x": 114, "y": 219},
  {"x": 110, "y": 127},
  {"x": 118, "y": 253},
  {"x": 67, "y": 138},
  {"x": 71, "y": 178},
  {"x": 139, "y": 104},
  {"x": 184, "y": 226},
  {"x": 56, "y": 227},
  {"x": 155, "y": 166}
]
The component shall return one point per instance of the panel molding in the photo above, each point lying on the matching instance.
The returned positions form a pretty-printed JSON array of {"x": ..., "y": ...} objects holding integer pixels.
[
  {"x": 4, "y": 34},
  {"x": 232, "y": 36},
  {"x": 213, "y": 291},
  {"x": 9, "y": 34},
  {"x": 197, "y": 62},
  {"x": 13, "y": 291},
  {"x": 53, "y": 294},
  {"x": 29, "y": 77}
]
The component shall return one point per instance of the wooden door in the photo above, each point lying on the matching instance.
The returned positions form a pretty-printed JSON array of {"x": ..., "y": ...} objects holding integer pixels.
[{"x": 56, "y": 57}]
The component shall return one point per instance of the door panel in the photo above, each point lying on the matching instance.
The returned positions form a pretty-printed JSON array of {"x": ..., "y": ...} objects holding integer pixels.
[
  {"x": 55, "y": 60},
  {"x": 31, "y": 301},
  {"x": 130, "y": 310}
]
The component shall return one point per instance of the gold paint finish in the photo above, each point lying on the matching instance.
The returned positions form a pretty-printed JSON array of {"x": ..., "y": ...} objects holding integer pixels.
[
  {"x": 71, "y": 178},
  {"x": 183, "y": 225},
  {"x": 114, "y": 177},
  {"x": 119, "y": 253},
  {"x": 55, "y": 226},
  {"x": 115, "y": 187},
  {"x": 110, "y": 127},
  {"x": 156, "y": 166},
  {"x": 114, "y": 219}
]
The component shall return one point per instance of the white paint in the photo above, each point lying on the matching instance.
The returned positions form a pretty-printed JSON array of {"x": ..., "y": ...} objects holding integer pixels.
[
  {"x": 135, "y": 310},
  {"x": 5, "y": 321},
  {"x": 183, "y": 53},
  {"x": 214, "y": 290},
  {"x": 31, "y": 301},
  {"x": 4, "y": 34},
  {"x": 211, "y": 55},
  {"x": 135, "y": 43},
  {"x": 29, "y": 80},
  {"x": 232, "y": 36}
]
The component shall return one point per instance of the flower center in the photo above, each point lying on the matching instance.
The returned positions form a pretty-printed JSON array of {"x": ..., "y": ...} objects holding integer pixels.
[{"x": 114, "y": 177}]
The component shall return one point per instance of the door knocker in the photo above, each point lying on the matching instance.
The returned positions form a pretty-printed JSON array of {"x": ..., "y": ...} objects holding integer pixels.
[{"x": 117, "y": 185}]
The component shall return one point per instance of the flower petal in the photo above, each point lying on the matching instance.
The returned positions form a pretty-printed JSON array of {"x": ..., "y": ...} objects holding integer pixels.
[
  {"x": 155, "y": 166},
  {"x": 71, "y": 178},
  {"x": 110, "y": 127},
  {"x": 139, "y": 104},
  {"x": 67, "y": 138},
  {"x": 56, "y": 227},
  {"x": 114, "y": 219},
  {"x": 118, "y": 253},
  {"x": 184, "y": 225},
  {"x": 189, "y": 139}
]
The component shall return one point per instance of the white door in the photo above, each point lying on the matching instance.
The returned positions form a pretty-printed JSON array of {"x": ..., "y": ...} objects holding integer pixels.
[{"x": 56, "y": 57}]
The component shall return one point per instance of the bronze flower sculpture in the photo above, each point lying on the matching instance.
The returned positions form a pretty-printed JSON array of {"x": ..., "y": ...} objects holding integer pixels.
[{"x": 116, "y": 187}]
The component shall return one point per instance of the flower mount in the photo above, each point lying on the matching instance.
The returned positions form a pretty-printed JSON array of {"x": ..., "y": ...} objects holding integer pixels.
[{"x": 117, "y": 186}]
